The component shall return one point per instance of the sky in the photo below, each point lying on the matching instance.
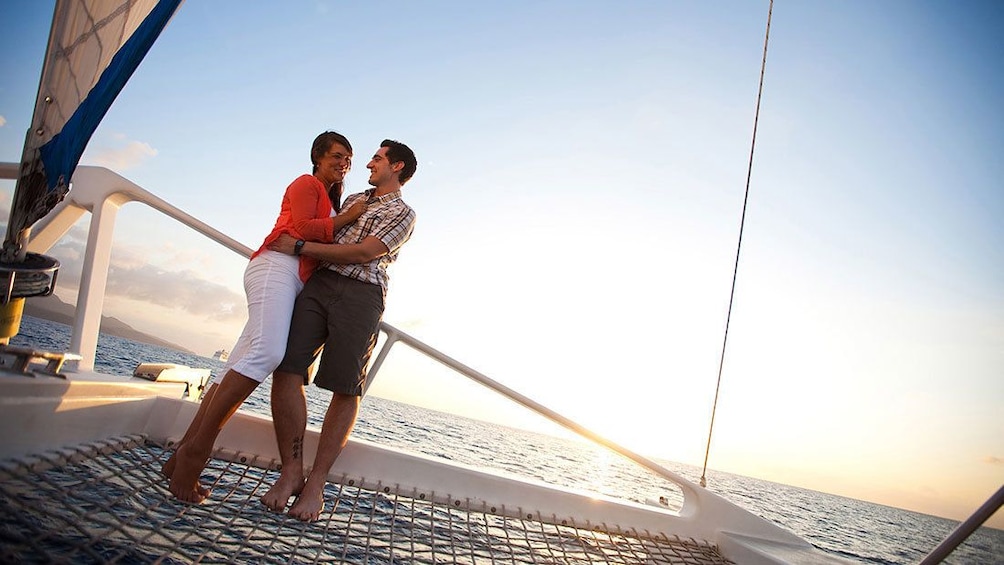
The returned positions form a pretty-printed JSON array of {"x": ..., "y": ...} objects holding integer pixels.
[{"x": 580, "y": 190}]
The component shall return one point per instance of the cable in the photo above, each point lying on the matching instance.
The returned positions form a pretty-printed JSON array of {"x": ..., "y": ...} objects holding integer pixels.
[{"x": 742, "y": 223}]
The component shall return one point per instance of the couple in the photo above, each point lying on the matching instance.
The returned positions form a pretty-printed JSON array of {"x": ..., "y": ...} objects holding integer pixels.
[{"x": 318, "y": 280}]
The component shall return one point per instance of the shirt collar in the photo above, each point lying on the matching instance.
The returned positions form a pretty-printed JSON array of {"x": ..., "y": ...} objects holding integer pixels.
[{"x": 381, "y": 199}]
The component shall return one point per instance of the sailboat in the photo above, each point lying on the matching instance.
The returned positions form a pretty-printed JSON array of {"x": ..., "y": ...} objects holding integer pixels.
[{"x": 81, "y": 449}]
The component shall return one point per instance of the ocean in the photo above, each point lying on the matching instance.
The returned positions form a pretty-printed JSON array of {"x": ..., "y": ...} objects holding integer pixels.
[{"x": 857, "y": 530}]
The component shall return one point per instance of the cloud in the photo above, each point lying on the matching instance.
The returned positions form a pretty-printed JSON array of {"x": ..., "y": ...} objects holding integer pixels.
[
  {"x": 3, "y": 121},
  {"x": 182, "y": 290},
  {"x": 993, "y": 460},
  {"x": 70, "y": 253},
  {"x": 131, "y": 277},
  {"x": 125, "y": 155}
]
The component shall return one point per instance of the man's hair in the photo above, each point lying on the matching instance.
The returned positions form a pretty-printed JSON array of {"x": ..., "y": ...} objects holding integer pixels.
[
  {"x": 399, "y": 152},
  {"x": 322, "y": 144}
]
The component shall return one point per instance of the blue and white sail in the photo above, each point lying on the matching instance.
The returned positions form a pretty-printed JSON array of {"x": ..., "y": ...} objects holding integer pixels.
[{"x": 94, "y": 47}]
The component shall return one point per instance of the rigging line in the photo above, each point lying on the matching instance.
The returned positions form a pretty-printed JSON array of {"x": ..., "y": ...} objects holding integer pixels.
[{"x": 742, "y": 223}]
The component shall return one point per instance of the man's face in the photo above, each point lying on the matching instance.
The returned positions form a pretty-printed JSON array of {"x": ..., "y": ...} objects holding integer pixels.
[{"x": 380, "y": 168}]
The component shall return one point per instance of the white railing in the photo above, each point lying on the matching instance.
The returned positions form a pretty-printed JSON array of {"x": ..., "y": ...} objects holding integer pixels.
[{"x": 102, "y": 192}]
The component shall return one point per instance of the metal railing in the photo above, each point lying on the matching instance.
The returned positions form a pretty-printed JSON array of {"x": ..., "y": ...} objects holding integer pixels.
[
  {"x": 102, "y": 192},
  {"x": 966, "y": 529}
]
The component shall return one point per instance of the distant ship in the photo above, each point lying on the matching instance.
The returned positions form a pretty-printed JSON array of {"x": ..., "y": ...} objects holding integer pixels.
[{"x": 222, "y": 355}]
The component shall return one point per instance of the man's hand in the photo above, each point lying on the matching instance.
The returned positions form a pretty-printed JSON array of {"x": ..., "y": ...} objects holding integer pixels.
[{"x": 284, "y": 244}]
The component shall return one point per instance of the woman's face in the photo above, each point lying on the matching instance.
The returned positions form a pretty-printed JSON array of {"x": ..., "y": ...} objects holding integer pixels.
[{"x": 334, "y": 164}]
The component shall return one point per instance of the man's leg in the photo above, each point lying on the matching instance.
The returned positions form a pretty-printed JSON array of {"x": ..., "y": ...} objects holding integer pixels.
[
  {"x": 338, "y": 423},
  {"x": 192, "y": 455},
  {"x": 289, "y": 416}
]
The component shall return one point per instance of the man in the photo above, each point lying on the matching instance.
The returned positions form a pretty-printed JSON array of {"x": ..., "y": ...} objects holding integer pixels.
[{"x": 340, "y": 309}]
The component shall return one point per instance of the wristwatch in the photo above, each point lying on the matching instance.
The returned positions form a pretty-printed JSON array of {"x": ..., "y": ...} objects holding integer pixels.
[{"x": 298, "y": 246}]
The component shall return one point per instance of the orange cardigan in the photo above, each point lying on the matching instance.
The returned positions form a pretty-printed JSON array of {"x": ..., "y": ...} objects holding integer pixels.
[{"x": 305, "y": 214}]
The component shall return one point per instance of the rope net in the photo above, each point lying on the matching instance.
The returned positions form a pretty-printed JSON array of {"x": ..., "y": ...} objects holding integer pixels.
[{"x": 107, "y": 502}]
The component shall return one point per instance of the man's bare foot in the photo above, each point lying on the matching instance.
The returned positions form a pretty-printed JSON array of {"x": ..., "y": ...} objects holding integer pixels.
[
  {"x": 286, "y": 486},
  {"x": 185, "y": 476},
  {"x": 308, "y": 505}
]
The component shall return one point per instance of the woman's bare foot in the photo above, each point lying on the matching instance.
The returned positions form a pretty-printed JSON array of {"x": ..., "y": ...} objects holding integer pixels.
[
  {"x": 168, "y": 468},
  {"x": 185, "y": 475},
  {"x": 287, "y": 485},
  {"x": 309, "y": 504},
  {"x": 168, "y": 471}
]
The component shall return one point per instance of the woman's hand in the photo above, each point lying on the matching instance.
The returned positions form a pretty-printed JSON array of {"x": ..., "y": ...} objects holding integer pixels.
[{"x": 353, "y": 212}]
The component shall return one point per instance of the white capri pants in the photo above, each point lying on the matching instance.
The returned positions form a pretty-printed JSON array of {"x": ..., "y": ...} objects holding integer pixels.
[{"x": 271, "y": 282}]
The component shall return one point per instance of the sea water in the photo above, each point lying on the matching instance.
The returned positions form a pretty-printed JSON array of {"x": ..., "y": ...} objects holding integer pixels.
[{"x": 860, "y": 531}]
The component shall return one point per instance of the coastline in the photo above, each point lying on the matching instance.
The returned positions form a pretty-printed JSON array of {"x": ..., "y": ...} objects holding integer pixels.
[{"x": 55, "y": 310}]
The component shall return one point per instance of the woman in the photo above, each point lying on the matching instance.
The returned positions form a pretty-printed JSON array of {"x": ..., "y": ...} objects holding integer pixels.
[{"x": 271, "y": 281}]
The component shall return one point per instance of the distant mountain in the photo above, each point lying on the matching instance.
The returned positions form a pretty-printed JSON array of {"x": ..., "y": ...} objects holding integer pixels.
[{"x": 53, "y": 309}]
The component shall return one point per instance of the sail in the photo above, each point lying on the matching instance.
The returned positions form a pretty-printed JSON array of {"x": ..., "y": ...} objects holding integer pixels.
[{"x": 94, "y": 47}]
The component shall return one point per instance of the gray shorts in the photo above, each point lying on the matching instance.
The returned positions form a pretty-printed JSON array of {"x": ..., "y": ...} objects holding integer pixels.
[{"x": 341, "y": 315}]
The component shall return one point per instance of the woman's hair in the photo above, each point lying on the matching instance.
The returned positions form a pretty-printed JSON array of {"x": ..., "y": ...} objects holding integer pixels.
[{"x": 322, "y": 144}]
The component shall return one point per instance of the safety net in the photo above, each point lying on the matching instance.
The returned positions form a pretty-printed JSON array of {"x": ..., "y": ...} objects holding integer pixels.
[{"x": 107, "y": 502}]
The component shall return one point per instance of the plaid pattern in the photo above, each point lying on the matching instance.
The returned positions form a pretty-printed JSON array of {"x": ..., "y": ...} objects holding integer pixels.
[{"x": 387, "y": 218}]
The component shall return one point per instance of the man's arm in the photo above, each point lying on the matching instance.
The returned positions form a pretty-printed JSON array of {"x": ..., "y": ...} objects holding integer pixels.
[{"x": 338, "y": 253}]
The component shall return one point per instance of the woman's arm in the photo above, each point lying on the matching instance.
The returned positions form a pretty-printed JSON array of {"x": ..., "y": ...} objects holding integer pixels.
[{"x": 302, "y": 198}]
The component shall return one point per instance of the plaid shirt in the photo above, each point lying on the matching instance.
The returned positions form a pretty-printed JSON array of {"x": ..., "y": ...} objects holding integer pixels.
[{"x": 387, "y": 218}]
